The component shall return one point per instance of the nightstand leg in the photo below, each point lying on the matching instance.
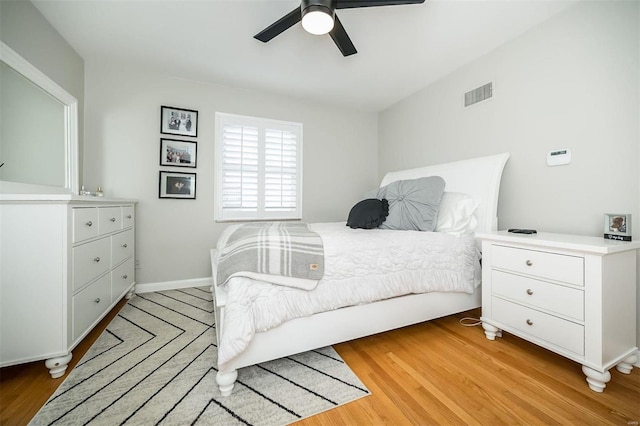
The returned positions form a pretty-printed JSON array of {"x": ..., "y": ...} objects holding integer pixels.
[
  {"x": 626, "y": 365},
  {"x": 491, "y": 332},
  {"x": 597, "y": 380}
]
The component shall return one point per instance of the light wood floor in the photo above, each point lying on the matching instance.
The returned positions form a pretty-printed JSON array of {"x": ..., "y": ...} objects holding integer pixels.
[{"x": 436, "y": 373}]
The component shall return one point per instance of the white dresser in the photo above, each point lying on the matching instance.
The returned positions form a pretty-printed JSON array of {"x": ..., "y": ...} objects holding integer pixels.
[
  {"x": 574, "y": 295},
  {"x": 65, "y": 261}
]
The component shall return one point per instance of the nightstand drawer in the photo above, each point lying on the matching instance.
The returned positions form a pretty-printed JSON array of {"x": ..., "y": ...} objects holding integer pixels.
[
  {"x": 556, "y": 331},
  {"x": 552, "y": 266},
  {"x": 539, "y": 294}
]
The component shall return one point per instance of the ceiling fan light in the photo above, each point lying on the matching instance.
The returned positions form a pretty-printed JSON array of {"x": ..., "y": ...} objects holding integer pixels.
[{"x": 317, "y": 20}]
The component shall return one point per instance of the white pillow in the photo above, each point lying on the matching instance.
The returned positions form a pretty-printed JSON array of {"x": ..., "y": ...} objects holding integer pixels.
[{"x": 456, "y": 215}]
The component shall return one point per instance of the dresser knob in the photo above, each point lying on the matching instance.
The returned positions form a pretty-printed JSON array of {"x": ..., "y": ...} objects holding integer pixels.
[
  {"x": 529, "y": 322},
  {"x": 528, "y": 263},
  {"x": 128, "y": 216},
  {"x": 113, "y": 219},
  {"x": 97, "y": 259},
  {"x": 124, "y": 245},
  {"x": 125, "y": 277},
  {"x": 529, "y": 291},
  {"x": 89, "y": 223},
  {"x": 97, "y": 300}
]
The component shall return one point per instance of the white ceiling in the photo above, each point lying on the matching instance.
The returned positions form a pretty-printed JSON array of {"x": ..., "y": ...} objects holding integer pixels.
[{"x": 401, "y": 49}]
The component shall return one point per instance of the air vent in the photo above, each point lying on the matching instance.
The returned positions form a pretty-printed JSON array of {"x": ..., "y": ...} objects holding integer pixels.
[{"x": 477, "y": 95}]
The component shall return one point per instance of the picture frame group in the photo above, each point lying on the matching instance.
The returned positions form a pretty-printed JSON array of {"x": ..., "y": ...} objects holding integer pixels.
[
  {"x": 177, "y": 185},
  {"x": 178, "y": 121},
  {"x": 617, "y": 226},
  {"x": 178, "y": 153}
]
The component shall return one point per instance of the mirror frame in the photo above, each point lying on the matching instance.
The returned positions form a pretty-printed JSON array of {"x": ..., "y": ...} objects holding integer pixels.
[{"x": 31, "y": 73}]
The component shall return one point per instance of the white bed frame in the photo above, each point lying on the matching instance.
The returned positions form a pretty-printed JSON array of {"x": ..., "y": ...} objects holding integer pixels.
[{"x": 478, "y": 177}]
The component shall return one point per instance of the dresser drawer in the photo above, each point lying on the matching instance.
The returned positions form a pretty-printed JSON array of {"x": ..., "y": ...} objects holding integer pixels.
[
  {"x": 121, "y": 278},
  {"x": 110, "y": 219},
  {"x": 90, "y": 261},
  {"x": 90, "y": 304},
  {"x": 560, "y": 333},
  {"x": 85, "y": 223},
  {"x": 552, "y": 266},
  {"x": 128, "y": 217},
  {"x": 539, "y": 294},
  {"x": 121, "y": 246}
]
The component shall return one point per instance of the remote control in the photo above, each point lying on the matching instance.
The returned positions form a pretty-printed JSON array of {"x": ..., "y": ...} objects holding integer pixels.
[{"x": 523, "y": 231}]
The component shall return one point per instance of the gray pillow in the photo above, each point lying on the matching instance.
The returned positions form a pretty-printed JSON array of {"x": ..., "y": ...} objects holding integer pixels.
[{"x": 413, "y": 204}]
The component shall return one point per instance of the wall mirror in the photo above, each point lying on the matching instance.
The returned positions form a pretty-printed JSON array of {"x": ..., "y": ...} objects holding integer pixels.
[{"x": 38, "y": 129}]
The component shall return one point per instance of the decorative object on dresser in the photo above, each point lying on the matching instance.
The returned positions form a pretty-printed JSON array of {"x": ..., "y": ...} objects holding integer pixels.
[
  {"x": 177, "y": 153},
  {"x": 178, "y": 121},
  {"x": 617, "y": 227},
  {"x": 177, "y": 185},
  {"x": 66, "y": 261},
  {"x": 574, "y": 295}
]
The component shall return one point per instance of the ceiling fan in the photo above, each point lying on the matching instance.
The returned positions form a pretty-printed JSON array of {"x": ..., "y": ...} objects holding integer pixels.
[{"x": 319, "y": 17}]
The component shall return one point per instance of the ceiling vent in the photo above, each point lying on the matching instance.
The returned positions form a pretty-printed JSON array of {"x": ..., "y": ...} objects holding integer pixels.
[{"x": 478, "y": 95}]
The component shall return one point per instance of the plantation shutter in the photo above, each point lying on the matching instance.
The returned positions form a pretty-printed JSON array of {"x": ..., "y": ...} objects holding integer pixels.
[
  {"x": 281, "y": 170},
  {"x": 258, "y": 168}
]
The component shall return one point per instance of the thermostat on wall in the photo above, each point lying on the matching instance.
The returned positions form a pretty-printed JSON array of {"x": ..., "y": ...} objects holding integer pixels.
[{"x": 559, "y": 157}]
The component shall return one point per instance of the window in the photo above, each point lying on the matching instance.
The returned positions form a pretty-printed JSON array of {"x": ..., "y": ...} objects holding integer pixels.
[{"x": 258, "y": 168}]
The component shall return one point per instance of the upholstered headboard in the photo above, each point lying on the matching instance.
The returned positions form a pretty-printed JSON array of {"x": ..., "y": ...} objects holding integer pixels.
[{"x": 478, "y": 177}]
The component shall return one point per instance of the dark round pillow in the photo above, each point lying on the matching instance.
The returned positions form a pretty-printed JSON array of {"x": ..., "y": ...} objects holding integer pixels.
[{"x": 368, "y": 214}]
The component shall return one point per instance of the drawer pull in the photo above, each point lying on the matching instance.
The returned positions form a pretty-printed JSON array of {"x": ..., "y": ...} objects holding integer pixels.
[
  {"x": 529, "y": 322},
  {"x": 124, "y": 277},
  {"x": 528, "y": 263},
  {"x": 124, "y": 245},
  {"x": 97, "y": 300},
  {"x": 89, "y": 223},
  {"x": 529, "y": 291},
  {"x": 129, "y": 216},
  {"x": 97, "y": 259},
  {"x": 113, "y": 219}
]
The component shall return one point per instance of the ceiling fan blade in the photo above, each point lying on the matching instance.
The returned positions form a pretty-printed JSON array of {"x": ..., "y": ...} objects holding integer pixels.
[
  {"x": 350, "y": 4},
  {"x": 280, "y": 25},
  {"x": 341, "y": 38}
]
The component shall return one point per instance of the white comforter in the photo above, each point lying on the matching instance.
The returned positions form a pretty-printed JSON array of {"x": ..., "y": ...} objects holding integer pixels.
[{"x": 361, "y": 266}]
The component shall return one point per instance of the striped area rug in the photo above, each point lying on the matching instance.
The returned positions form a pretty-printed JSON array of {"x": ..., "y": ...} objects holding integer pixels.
[{"x": 156, "y": 364}]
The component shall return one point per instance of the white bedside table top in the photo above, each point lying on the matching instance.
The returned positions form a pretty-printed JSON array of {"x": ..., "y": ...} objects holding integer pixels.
[{"x": 580, "y": 243}]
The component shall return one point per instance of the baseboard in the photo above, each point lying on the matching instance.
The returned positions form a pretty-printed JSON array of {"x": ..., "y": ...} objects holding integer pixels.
[
  {"x": 173, "y": 285},
  {"x": 637, "y": 364}
]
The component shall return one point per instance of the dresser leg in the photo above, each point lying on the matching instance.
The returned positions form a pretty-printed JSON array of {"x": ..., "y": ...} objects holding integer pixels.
[
  {"x": 491, "y": 332},
  {"x": 226, "y": 380},
  {"x": 57, "y": 366},
  {"x": 626, "y": 365},
  {"x": 597, "y": 380}
]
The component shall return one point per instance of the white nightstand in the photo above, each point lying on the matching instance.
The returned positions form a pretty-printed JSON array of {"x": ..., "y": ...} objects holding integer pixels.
[{"x": 573, "y": 295}]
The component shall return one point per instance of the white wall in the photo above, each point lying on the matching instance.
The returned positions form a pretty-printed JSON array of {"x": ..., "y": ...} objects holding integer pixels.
[
  {"x": 174, "y": 236},
  {"x": 573, "y": 82}
]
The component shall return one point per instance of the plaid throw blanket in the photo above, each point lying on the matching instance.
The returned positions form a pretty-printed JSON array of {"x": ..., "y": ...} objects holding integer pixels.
[{"x": 284, "y": 253}]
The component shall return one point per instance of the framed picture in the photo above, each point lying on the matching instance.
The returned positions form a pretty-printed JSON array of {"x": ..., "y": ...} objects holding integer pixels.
[
  {"x": 178, "y": 121},
  {"x": 177, "y": 185},
  {"x": 178, "y": 153},
  {"x": 617, "y": 226}
]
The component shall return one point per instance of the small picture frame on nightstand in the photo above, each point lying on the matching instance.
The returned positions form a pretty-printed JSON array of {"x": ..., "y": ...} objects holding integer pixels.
[{"x": 617, "y": 227}]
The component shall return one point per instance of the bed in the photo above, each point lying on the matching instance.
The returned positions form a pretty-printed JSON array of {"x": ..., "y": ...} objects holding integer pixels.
[{"x": 479, "y": 178}]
